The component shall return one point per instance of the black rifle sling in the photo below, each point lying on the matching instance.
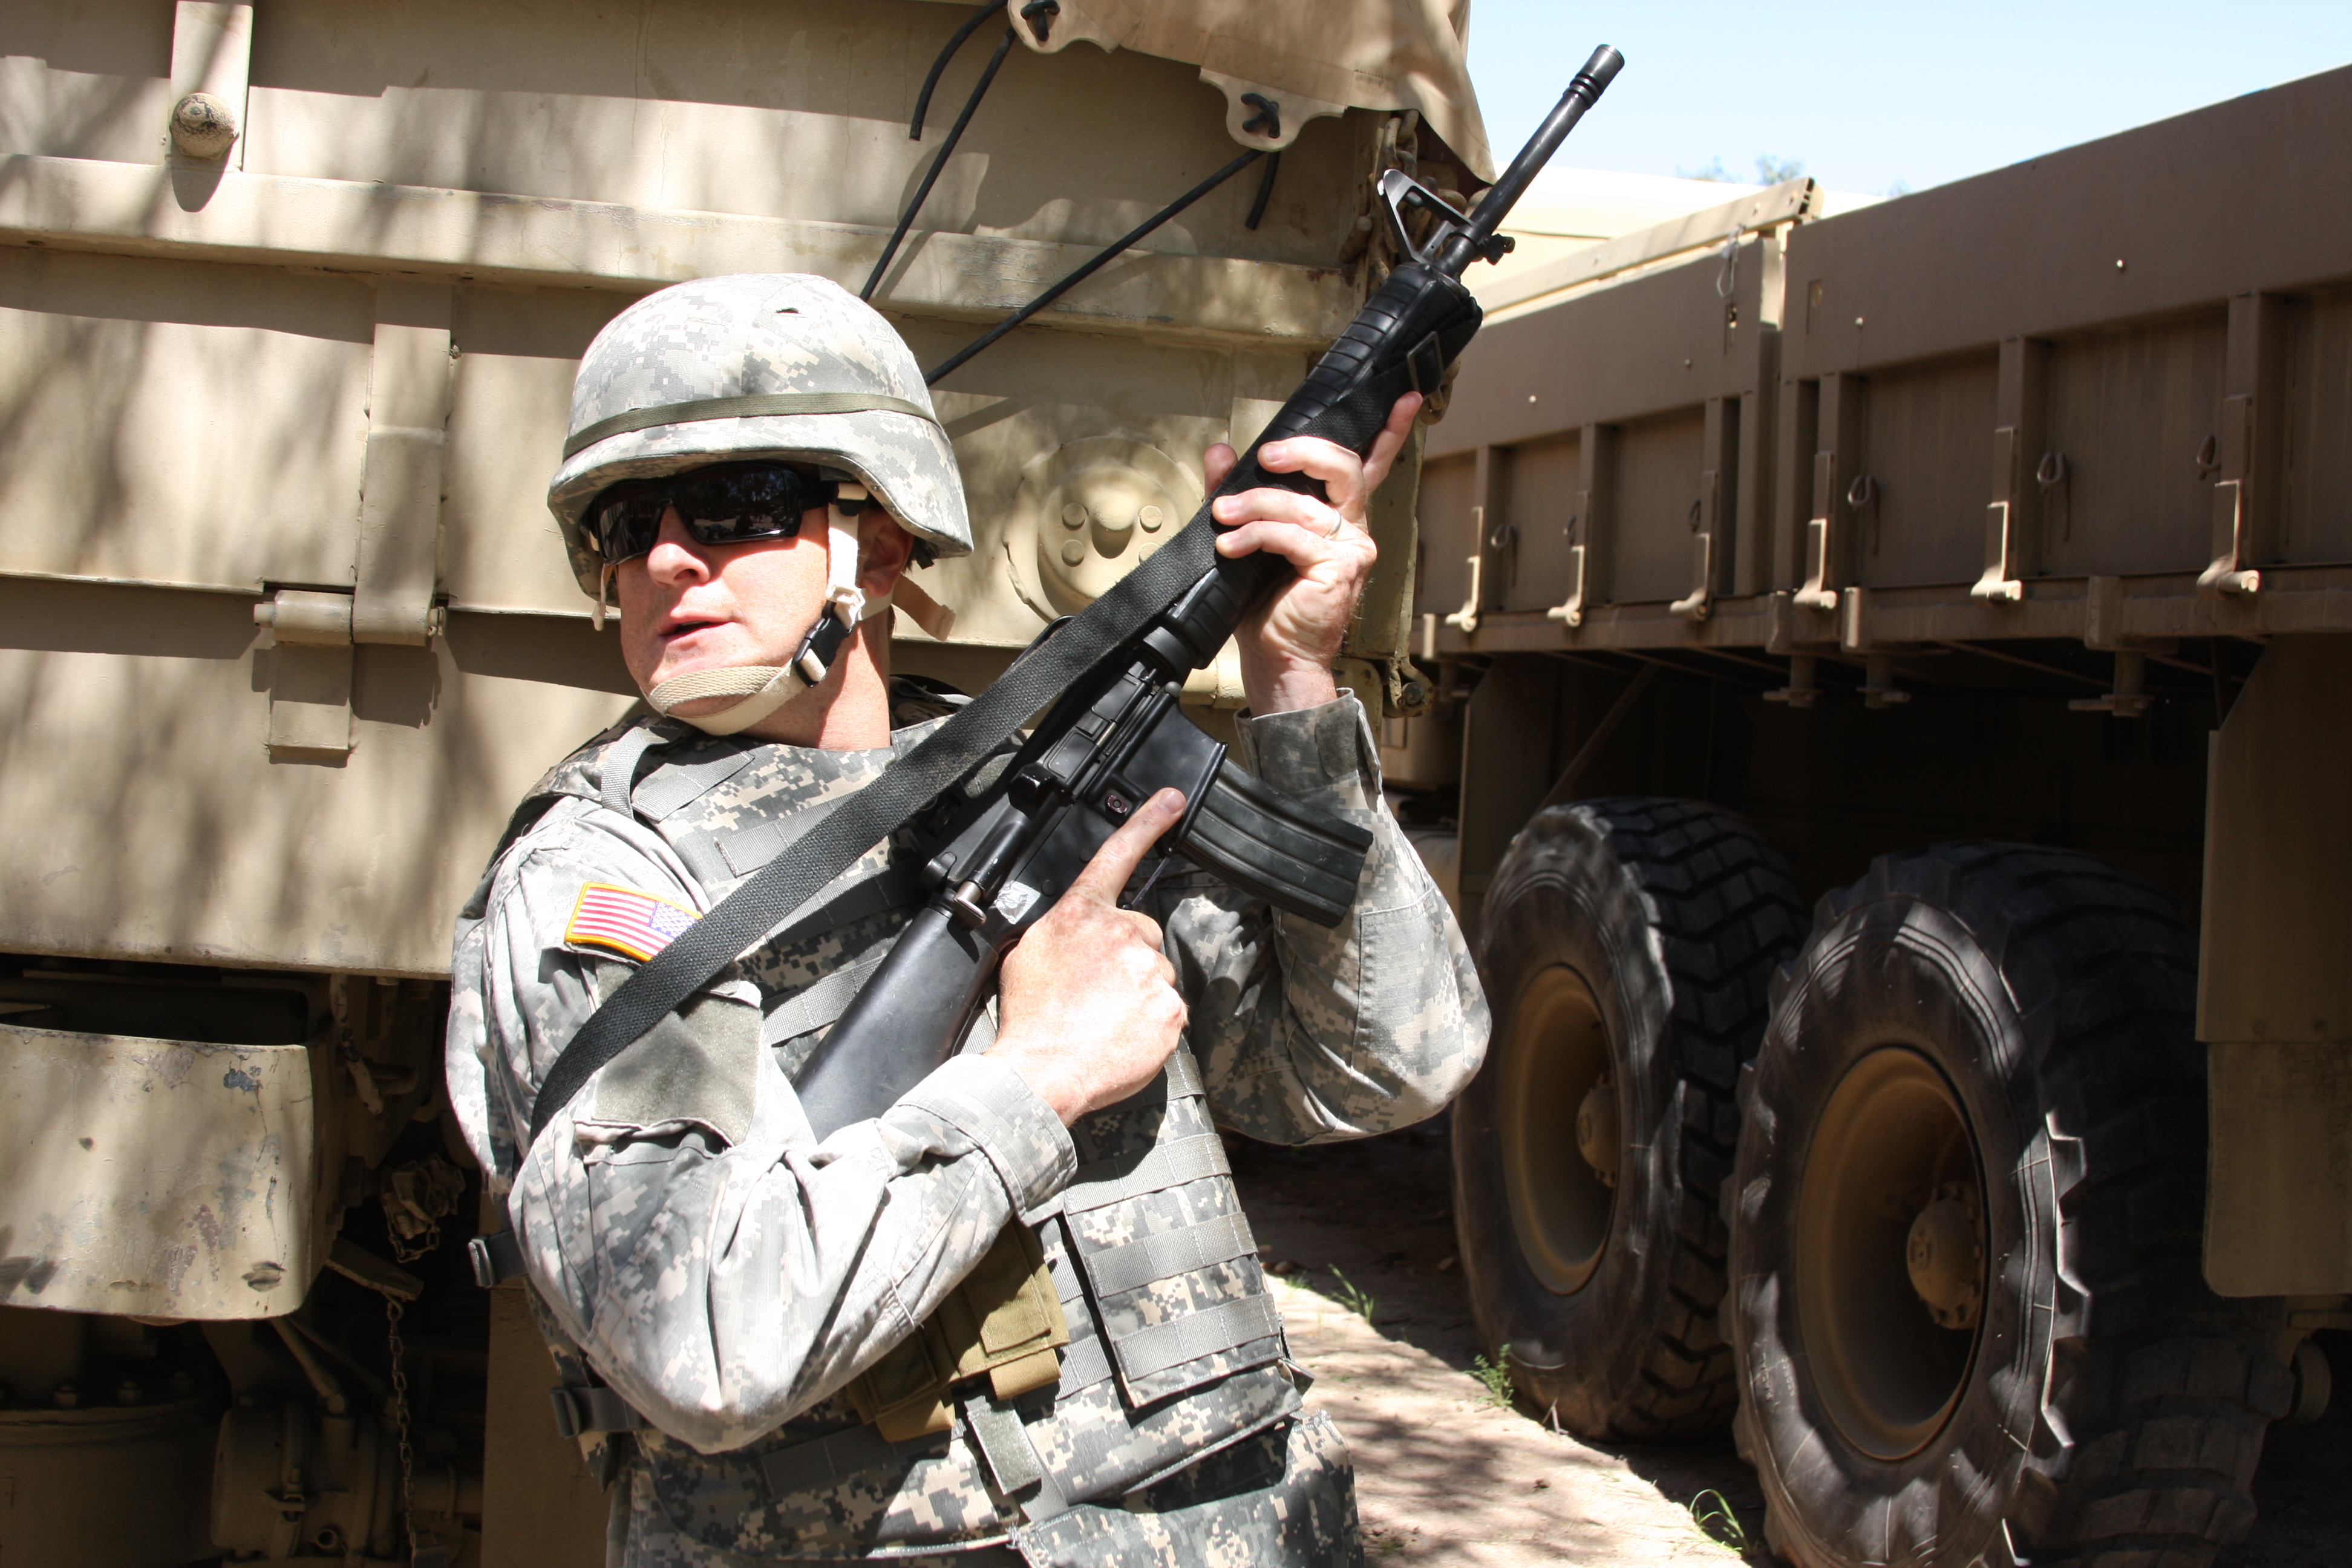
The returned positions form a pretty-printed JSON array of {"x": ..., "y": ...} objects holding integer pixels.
[{"x": 778, "y": 890}]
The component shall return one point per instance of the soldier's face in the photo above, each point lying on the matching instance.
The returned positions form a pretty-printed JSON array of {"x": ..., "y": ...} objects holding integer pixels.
[{"x": 685, "y": 605}]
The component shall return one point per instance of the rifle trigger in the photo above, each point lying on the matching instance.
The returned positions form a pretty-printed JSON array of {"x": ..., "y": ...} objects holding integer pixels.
[{"x": 1149, "y": 883}]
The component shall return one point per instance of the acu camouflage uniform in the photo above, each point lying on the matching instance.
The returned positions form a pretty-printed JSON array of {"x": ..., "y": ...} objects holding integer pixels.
[{"x": 686, "y": 1236}]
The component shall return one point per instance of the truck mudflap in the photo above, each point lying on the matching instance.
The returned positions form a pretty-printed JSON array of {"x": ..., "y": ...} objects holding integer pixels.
[{"x": 156, "y": 1177}]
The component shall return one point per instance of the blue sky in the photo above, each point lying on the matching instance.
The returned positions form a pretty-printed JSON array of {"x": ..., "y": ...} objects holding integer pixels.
[{"x": 1868, "y": 95}]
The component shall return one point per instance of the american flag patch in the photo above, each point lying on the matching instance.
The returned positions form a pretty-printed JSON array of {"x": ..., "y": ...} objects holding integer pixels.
[{"x": 635, "y": 925}]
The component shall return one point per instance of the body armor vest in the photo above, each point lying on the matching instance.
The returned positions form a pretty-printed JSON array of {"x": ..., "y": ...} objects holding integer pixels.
[{"x": 1174, "y": 1348}]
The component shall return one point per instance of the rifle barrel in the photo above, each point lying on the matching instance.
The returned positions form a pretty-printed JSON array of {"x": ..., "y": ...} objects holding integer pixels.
[{"x": 1503, "y": 195}]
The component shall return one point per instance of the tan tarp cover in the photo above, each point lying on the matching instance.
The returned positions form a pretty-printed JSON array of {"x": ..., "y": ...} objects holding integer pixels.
[{"x": 1309, "y": 57}]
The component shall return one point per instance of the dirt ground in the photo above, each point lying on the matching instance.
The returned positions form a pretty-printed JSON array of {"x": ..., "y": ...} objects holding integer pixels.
[{"x": 1362, "y": 1238}]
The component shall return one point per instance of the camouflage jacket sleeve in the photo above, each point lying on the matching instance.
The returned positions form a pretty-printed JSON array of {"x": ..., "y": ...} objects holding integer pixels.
[
  {"x": 1308, "y": 1035},
  {"x": 720, "y": 1268}
]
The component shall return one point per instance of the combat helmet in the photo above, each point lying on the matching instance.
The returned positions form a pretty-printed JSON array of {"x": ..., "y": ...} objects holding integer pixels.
[
  {"x": 762, "y": 364},
  {"x": 781, "y": 365}
]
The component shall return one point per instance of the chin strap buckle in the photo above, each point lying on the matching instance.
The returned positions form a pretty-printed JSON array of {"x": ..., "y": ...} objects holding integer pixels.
[{"x": 841, "y": 589}]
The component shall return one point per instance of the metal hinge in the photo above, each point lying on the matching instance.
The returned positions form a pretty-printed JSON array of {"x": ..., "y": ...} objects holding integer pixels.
[{"x": 309, "y": 661}]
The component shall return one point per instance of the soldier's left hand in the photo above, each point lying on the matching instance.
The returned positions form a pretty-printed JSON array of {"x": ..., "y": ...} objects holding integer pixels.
[{"x": 1288, "y": 646}]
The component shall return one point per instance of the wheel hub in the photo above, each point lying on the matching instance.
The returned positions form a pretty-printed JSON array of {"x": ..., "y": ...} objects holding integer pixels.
[
  {"x": 1558, "y": 1122},
  {"x": 1890, "y": 1252},
  {"x": 1597, "y": 1131},
  {"x": 1945, "y": 1256}
]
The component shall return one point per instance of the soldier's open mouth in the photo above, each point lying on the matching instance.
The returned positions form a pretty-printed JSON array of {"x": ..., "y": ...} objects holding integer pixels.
[{"x": 684, "y": 629}]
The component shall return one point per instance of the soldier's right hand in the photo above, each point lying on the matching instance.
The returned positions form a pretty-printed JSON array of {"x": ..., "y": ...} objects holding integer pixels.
[{"x": 1088, "y": 1009}]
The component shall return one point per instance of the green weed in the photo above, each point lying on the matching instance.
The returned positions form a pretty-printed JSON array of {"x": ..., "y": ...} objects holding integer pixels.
[
  {"x": 1497, "y": 1375},
  {"x": 1712, "y": 1513},
  {"x": 1356, "y": 1300}
]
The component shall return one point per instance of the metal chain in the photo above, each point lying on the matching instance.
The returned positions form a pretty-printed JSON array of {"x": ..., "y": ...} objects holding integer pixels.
[
  {"x": 399, "y": 1351},
  {"x": 410, "y": 1251}
]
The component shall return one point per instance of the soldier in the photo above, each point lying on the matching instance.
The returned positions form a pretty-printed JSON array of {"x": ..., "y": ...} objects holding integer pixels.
[{"x": 1018, "y": 1316}]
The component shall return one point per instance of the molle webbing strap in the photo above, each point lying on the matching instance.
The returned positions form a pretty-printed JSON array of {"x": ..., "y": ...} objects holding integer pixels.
[
  {"x": 680, "y": 785},
  {"x": 1004, "y": 1440},
  {"x": 820, "y": 1005},
  {"x": 1085, "y": 1363},
  {"x": 757, "y": 407},
  {"x": 585, "y": 1409},
  {"x": 1183, "y": 1075},
  {"x": 1169, "y": 1165},
  {"x": 996, "y": 1431},
  {"x": 745, "y": 849},
  {"x": 893, "y": 889},
  {"x": 1196, "y": 1334},
  {"x": 619, "y": 779},
  {"x": 823, "y": 1461},
  {"x": 1066, "y": 1276},
  {"x": 1170, "y": 1253}
]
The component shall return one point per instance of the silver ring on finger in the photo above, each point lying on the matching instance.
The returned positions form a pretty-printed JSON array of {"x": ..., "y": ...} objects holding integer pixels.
[{"x": 1338, "y": 523}]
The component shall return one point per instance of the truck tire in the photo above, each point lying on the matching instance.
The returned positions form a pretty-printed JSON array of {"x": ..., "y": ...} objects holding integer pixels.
[
  {"x": 1969, "y": 1313},
  {"x": 1627, "y": 948}
]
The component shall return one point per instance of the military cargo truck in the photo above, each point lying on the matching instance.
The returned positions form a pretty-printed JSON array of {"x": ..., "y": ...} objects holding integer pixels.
[
  {"x": 1971, "y": 570},
  {"x": 291, "y": 296}
]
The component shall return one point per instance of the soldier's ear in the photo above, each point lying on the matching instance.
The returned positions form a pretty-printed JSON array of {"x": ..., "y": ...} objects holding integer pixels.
[{"x": 883, "y": 548}]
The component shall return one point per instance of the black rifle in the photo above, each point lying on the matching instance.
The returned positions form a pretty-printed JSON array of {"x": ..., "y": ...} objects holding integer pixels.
[{"x": 1116, "y": 735}]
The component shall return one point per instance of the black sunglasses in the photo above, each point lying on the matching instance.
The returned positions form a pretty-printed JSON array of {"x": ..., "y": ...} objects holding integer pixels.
[{"x": 725, "y": 503}]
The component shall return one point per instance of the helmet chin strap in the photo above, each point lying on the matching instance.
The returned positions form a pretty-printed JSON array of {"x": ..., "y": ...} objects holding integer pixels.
[{"x": 761, "y": 689}]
